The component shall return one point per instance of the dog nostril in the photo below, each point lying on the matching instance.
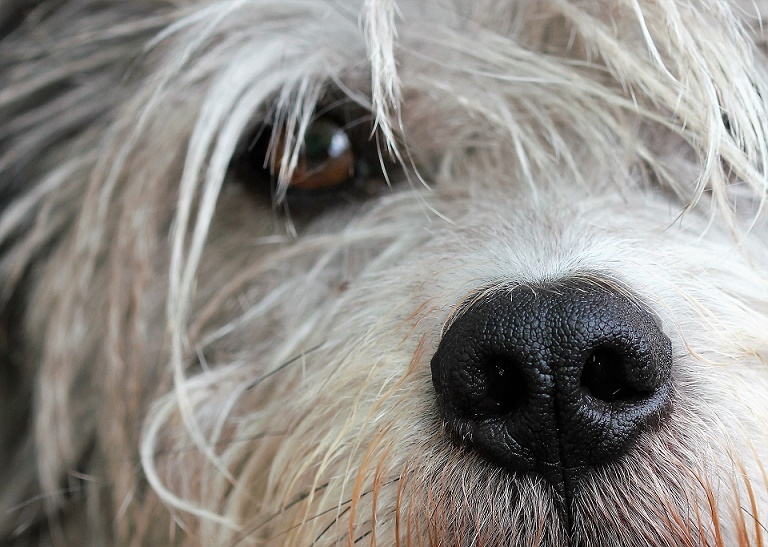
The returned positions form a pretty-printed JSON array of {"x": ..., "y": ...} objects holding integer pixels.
[
  {"x": 506, "y": 392},
  {"x": 552, "y": 380},
  {"x": 604, "y": 377}
]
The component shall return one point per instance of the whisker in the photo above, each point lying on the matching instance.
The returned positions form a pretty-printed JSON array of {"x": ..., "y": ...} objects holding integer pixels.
[
  {"x": 283, "y": 366},
  {"x": 289, "y": 505}
]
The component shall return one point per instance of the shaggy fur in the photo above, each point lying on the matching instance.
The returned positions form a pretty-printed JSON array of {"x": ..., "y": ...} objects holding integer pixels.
[{"x": 190, "y": 356}]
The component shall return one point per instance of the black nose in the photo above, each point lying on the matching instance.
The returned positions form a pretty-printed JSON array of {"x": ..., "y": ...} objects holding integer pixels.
[{"x": 553, "y": 380}]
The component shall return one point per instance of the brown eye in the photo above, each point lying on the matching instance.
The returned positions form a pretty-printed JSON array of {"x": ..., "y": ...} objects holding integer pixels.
[
  {"x": 326, "y": 159},
  {"x": 336, "y": 163}
]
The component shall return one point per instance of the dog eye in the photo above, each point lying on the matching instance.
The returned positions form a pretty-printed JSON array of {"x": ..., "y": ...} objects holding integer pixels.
[
  {"x": 326, "y": 159},
  {"x": 338, "y": 162}
]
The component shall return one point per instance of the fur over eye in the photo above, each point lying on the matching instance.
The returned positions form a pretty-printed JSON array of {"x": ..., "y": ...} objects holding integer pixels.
[{"x": 324, "y": 161}]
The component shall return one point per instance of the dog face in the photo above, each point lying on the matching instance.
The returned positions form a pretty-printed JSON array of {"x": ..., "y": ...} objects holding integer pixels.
[{"x": 445, "y": 273}]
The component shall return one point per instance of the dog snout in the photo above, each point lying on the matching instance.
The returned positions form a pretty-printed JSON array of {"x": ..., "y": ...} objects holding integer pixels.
[{"x": 553, "y": 380}]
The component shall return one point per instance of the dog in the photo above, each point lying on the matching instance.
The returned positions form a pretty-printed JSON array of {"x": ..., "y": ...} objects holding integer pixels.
[{"x": 426, "y": 272}]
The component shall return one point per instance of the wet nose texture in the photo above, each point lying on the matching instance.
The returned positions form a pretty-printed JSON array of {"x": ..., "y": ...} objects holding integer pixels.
[{"x": 553, "y": 380}]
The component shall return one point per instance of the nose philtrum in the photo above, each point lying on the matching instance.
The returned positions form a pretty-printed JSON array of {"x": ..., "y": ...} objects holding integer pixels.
[{"x": 553, "y": 380}]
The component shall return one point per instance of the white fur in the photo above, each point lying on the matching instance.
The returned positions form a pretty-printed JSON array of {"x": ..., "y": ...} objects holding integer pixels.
[{"x": 199, "y": 368}]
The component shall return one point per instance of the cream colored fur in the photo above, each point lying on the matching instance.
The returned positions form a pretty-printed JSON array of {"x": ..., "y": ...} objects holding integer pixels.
[{"x": 184, "y": 361}]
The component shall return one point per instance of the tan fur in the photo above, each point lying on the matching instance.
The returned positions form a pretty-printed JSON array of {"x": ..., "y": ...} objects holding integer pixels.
[{"x": 187, "y": 359}]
